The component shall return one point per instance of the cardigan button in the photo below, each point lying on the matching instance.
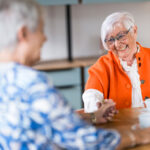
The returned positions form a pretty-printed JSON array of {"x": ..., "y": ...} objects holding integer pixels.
[
  {"x": 142, "y": 81},
  {"x": 128, "y": 86}
]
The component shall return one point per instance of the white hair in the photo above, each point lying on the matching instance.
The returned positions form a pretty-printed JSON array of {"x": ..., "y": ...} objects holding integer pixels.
[
  {"x": 118, "y": 17},
  {"x": 15, "y": 14}
]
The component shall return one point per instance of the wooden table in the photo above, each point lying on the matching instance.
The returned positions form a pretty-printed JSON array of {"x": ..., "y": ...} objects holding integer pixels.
[{"x": 126, "y": 119}]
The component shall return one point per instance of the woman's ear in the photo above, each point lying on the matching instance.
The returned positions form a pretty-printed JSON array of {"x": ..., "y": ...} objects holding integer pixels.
[
  {"x": 22, "y": 34},
  {"x": 135, "y": 29}
]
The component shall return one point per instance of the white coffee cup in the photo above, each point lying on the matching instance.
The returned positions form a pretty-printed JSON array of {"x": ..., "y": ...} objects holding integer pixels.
[{"x": 144, "y": 119}]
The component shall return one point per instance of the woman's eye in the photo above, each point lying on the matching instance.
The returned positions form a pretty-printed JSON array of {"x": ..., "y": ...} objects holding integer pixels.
[
  {"x": 120, "y": 36},
  {"x": 111, "y": 40}
]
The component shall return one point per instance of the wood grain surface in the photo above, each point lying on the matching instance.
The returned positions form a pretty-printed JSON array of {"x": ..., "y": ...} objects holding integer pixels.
[{"x": 126, "y": 119}]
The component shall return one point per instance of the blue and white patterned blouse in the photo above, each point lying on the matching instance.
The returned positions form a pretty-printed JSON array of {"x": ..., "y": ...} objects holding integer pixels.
[{"x": 34, "y": 116}]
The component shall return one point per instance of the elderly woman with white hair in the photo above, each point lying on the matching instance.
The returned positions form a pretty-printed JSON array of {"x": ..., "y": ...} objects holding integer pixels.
[{"x": 123, "y": 74}]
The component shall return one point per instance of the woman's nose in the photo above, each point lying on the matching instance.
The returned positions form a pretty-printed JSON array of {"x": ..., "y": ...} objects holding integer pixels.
[{"x": 116, "y": 42}]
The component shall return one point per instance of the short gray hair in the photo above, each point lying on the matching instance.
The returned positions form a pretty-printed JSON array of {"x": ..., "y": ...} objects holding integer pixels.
[
  {"x": 15, "y": 14},
  {"x": 118, "y": 17}
]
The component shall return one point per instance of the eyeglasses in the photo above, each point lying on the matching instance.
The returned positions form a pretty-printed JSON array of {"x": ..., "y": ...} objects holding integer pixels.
[{"x": 120, "y": 37}]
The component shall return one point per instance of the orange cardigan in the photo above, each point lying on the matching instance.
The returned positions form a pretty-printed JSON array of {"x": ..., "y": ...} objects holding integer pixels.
[{"x": 108, "y": 76}]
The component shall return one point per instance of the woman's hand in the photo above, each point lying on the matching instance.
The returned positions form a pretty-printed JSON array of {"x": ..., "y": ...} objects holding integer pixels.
[{"x": 105, "y": 112}]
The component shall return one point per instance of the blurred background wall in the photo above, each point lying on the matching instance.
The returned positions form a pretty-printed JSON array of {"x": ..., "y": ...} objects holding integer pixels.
[{"x": 86, "y": 24}]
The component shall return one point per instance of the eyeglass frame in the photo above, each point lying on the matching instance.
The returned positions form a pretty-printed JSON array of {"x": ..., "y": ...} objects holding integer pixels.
[{"x": 118, "y": 38}]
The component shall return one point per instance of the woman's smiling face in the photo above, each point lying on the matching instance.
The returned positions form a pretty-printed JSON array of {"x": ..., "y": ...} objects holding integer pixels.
[{"x": 122, "y": 41}]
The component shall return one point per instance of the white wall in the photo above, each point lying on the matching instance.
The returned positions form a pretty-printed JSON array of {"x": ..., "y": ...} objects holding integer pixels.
[
  {"x": 86, "y": 23},
  {"x": 55, "y": 30}
]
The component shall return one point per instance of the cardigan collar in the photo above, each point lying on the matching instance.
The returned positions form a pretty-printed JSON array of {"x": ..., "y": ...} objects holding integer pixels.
[{"x": 116, "y": 60}]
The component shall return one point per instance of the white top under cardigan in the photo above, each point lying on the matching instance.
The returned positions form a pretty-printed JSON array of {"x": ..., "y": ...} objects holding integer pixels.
[{"x": 92, "y": 96}]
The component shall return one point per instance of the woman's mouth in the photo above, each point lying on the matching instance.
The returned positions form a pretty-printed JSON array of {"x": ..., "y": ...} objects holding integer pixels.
[{"x": 123, "y": 48}]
